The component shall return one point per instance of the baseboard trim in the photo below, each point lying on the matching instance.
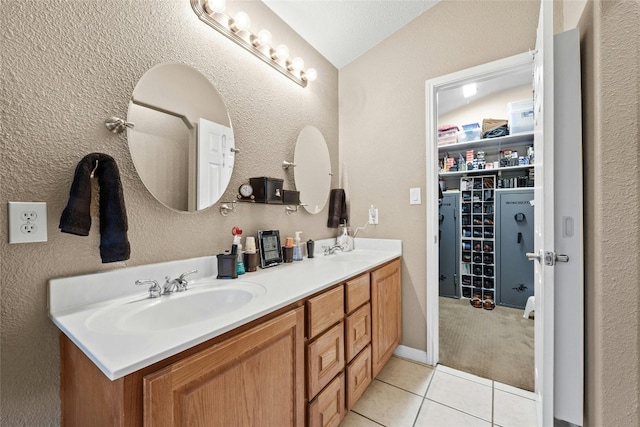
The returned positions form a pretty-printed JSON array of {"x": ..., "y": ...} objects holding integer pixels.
[{"x": 411, "y": 353}]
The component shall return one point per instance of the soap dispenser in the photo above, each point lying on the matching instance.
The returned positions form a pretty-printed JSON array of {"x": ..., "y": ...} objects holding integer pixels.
[{"x": 297, "y": 247}]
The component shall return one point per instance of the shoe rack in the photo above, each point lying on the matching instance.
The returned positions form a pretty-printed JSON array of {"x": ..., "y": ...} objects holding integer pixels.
[{"x": 477, "y": 234}]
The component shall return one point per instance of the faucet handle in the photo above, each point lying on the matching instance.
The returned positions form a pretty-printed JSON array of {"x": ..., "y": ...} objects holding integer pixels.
[
  {"x": 155, "y": 290},
  {"x": 182, "y": 282}
]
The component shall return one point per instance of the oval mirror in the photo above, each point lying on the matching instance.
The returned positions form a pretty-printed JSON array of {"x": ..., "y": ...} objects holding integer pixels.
[
  {"x": 312, "y": 173},
  {"x": 182, "y": 144}
]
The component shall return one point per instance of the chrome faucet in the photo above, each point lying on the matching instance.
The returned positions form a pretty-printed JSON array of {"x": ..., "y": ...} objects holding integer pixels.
[
  {"x": 330, "y": 250},
  {"x": 176, "y": 285},
  {"x": 155, "y": 290}
]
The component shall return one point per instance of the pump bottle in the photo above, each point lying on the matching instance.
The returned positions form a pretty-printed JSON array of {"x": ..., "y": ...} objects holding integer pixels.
[{"x": 297, "y": 247}]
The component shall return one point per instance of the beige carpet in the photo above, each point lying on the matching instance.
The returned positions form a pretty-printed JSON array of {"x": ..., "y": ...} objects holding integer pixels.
[{"x": 495, "y": 344}]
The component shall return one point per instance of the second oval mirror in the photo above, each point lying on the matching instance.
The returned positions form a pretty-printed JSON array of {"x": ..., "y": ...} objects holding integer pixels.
[
  {"x": 182, "y": 144},
  {"x": 312, "y": 172}
]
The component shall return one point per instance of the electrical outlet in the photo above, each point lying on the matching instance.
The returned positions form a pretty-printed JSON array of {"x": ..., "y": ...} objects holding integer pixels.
[
  {"x": 373, "y": 215},
  {"x": 27, "y": 222}
]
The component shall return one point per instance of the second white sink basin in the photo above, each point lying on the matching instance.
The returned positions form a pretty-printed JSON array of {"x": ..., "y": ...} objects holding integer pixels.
[
  {"x": 353, "y": 256},
  {"x": 175, "y": 310}
]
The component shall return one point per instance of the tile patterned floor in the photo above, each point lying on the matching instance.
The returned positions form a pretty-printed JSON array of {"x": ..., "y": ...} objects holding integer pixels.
[{"x": 409, "y": 394}]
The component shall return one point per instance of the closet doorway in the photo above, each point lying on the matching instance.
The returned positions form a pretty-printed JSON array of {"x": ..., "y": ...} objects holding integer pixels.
[
  {"x": 558, "y": 256},
  {"x": 486, "y": 221}
]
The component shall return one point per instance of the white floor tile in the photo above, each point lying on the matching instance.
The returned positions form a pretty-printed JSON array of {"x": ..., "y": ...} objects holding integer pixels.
[
  {"x": 388, "y": 405},
  {"x": 512, "y": 410},
  {"x": 433, "y": 414},
  {"x": 465, "y": 375},
  {"x": 513, "y": 390},
  {"x": 407, "y": 375},
  {"x": 466, "y": 395},
  {"x": 354, "y": 420}
]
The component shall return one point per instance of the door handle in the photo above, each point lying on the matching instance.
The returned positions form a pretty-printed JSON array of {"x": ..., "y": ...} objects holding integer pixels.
[
  {"x": 532, "y": 256},
  {"x": 519, "y": 237},
  {"x": 550, "y": 258}
]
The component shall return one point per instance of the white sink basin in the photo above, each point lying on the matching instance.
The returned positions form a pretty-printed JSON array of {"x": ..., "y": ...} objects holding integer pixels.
[
  {"x": 177, "y": 310},
  {"x": 353, "y": 256}
]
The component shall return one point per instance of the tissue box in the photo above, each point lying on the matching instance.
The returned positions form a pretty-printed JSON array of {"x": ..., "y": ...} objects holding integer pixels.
[
  {"x": 267, "y": 190},
  {"x": 291, "y": 197}
]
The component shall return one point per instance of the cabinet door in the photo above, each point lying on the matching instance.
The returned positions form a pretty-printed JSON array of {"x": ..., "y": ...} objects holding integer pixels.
[
  {"x": 357, "y": 331},
  {"x": 386, "y": 313},
  {"x": 357, "y": 292},
  {"x": 324, "y": 310},
  {"x": 255, "y": 378},
  {"x": 325, "y": 358},
  {"x": 358, "y": 377},
  {"x": 328, "y": 409}
]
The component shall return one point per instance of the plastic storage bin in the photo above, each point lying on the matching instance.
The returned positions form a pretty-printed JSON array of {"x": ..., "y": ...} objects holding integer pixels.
[
  {"x": 467, "y": 135},
  {"x": 520, "y": 115},
  {"x": 448, "y": 137}
]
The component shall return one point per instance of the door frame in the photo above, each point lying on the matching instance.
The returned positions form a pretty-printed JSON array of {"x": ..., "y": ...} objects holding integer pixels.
[{"x": 459, "y": 78}]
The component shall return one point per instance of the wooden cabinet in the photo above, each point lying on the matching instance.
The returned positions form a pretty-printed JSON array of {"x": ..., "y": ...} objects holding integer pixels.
[
  {"x": 255, "y": 374},
  {"x": 253, "y": 379},
  {"x": 386, "y": 313}
]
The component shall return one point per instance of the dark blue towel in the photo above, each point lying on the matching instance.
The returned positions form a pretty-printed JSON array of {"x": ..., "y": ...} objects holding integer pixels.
[
  {"x": 337, "y": 208},
  {"x": 76, "y": 217}
]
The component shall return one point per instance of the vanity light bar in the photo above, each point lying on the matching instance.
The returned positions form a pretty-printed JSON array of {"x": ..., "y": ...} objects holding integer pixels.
[{"x": 211, "y": 12}]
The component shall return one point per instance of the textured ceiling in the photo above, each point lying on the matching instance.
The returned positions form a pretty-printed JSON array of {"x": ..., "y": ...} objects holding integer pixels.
[{"x": 342, "y": 30}]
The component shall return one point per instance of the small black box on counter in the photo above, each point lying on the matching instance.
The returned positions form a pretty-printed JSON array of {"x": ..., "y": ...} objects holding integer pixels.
[
  {"x": 291, "y": 197},
  {"x": 267, "y": 190}
]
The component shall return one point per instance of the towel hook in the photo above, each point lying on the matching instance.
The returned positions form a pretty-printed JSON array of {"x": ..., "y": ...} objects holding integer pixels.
[
  {"x": 117, "y": 125},
  {"x": 94, "y": 170}
]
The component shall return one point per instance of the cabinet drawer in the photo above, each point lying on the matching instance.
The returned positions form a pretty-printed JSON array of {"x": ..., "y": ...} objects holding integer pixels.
[
  {"x": 357, "y": 291},
  {"x": 328, "y": 408},
  {"x": 324, "y": 311},
  {"x": 358, "y": 331},
  {"x": 325, "y": 359},
  {"x": 358, "y": 377}
]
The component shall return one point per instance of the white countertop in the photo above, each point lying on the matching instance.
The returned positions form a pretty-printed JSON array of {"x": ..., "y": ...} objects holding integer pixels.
[{"x": 73, "y": 301}]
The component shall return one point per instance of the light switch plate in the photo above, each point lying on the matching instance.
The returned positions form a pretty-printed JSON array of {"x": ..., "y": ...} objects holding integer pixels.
[
  {"x": 415, "y": 197},
  {"x": 27, "y": 222}
]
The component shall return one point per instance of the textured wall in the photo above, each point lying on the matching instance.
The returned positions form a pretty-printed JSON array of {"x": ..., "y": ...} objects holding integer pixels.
[
  {"x": 611, "y": 95},
  {"x": 382, "y": 122},
  {"x": 66, "y": 67}
]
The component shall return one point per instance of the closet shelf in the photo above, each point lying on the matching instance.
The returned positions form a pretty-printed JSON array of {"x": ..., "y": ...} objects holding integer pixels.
[
  {"x": 493, "y": 143},
  {"x": 485, "y": 171}
]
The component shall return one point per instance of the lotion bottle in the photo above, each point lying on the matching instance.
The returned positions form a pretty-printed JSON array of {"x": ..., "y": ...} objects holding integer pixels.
[
  {"x": 237, "y": 240},
  {"x": 297, "y": 247}
]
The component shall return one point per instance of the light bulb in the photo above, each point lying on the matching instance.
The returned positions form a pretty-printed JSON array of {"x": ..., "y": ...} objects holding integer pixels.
[
  {"x": 297, "y": 64},
  {"x": 241, "y": 22},
  {"x": 281, "y": 53},
  {"x": 262, "y": 39},
  {"x": 310, "y": 75},
  {"x": 216, "y": 6}
]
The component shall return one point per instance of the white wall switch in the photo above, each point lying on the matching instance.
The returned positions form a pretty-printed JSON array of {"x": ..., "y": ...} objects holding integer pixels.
[
  {"x": 415, "y": 197},
  {"x": 27, "y": 222}
]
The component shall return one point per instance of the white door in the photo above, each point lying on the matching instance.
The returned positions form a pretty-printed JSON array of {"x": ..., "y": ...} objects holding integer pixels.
[
  {"x": 215, "y": 161},
  {"x": 558, "y": 242},
  {"x": 543, "y": 141}
]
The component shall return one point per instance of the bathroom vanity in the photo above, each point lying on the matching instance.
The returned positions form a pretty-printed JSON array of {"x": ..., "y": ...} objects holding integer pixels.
[{"x": 301, "y": 352}]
